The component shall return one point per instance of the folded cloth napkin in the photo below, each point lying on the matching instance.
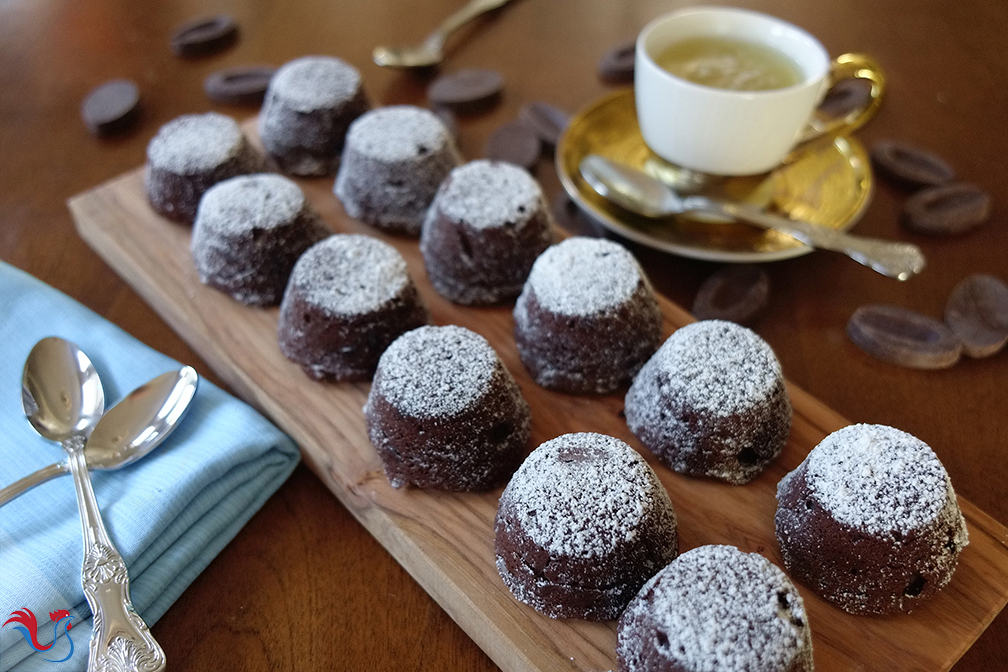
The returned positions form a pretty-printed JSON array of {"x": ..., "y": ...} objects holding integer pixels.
[{"x": 169, "y": 514}]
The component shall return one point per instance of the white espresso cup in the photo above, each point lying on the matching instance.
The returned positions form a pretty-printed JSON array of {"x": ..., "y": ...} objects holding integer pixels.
[{"x": 731, "y": 132}]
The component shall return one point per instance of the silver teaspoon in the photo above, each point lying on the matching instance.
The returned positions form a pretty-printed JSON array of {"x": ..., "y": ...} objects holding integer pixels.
[
  {"x": 63, "y": 399},
  {"x": 431, "y": 51},
  {"x": 640, "y": 193},
  {"x": 135, "y": 426}
]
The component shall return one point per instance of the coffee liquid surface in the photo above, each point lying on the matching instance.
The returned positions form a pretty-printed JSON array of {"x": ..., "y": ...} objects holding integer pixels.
[{"x": 730, "y": 63}]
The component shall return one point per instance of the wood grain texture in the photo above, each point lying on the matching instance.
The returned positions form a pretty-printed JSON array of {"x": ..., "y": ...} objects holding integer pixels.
[{"x": 445, "y": 540}]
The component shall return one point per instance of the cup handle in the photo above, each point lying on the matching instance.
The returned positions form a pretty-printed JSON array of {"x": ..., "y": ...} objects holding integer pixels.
[{"x": 849, "y": 66}]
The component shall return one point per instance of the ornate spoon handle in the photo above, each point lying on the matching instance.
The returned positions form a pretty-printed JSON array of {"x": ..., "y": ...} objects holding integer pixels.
[
  {"x": 892, "y": 258},
  {"x": 121, "y": 639}
]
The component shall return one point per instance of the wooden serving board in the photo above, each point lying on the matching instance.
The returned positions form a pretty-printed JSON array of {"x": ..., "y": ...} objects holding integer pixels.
[{"x": 446, "y": 540}]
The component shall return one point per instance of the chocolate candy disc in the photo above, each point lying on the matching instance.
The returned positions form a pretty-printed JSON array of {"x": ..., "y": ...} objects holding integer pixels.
[
  {"x": 617, "y": 65},
  {"x": 204, "y": 36},
  {"x": 239, "y": 86},
  {"x": 515, "y": 143},
  {"x": 111, "y": 107},
  {"x": 909, "y": 165},
  {"x": 844, "y": 97},
  {"x": 546, "y": 121},
  {"x": 977, "y": 312},
  {"x": 735, "y": 293},
  {"x": 903, "y": 337},
  {"x": 947, "y": 210},
  {"x": 466, "y": 90}
]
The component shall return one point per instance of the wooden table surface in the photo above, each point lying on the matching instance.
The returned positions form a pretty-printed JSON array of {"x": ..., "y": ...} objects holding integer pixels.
[{"x": 303, "y": 586}]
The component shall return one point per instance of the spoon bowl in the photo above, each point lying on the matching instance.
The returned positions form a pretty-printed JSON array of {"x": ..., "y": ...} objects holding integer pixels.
[
  {"x": 131, "y": 429},
  {"x": 61, "y": 392},
  {"x": 420, "y": 56},
  {"x": 142, "y": 420}
]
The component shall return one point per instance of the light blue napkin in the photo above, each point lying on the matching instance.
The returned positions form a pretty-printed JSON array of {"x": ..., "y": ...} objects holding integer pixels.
[{"x": 169, "y": 514}]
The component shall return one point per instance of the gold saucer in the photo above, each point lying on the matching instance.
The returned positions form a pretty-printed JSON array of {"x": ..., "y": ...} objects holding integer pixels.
[{"x": 828, "y": 183}]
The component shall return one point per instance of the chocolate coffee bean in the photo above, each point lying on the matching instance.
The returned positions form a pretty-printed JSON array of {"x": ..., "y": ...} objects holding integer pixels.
[
  {"x": 617, "y": 65},
  {"x": 903, "y": 337},
  {"x": 546, "y": 121},
  {"x": 466, "y": 90},
  {"x": 244, "y": 85},
  {"x": 977, "y": 312},
  {"x": 515, "y": 143},
  {"x": 735, "y": 293},
  {"x": 909, "y": 165},
  {"x": 947, "y": 210},
  {"x": 204, "y": 36},
  {"x": 111, "y": 107}
]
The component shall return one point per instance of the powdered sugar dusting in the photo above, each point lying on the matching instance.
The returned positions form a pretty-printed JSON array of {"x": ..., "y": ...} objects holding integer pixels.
[
  {"x": 398, "y": 133},
  {"x": 316, "y": 82},
  {"x": 584, "y": 276},
  {"x": 489, "y": 194},
  {"x": 711, "y": 402},
  {"x": 718, "y": 366},
  {"x": 436, "y": 371},
  {"x": 717, "y": 609},
  {"x": 194, "y": 143},
  {"x": 349, "y": 274},
  {"x": 250, "y": 202},
  {"x": 579, "y": 495},
  {"x": 878, "y": 478}
]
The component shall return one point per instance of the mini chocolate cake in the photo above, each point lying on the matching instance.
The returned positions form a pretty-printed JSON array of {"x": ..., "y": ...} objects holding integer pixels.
[
  {"x": 444, "y": 413},
  {"x": 715, "y": 609},
  {"x": 249, "y": 231},
  {"x": 870, "y": 521},
  {"x": 582, "y": 525},
  {"x": 308, "y": 107},
  {"x": 393, "y": 162},
  {"x": 348, "y": 297},
  {"x": 587, "y": 318},
  {"x": 711, "y": 402},
  {"x": 189, "y": 155},
  {"x": 487, "y": 224}
]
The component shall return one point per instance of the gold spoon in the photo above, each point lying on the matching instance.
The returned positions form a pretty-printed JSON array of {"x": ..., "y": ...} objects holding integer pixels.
[
  {"x": 431, "y": 51},
  {"x": 638, "y": 192}
]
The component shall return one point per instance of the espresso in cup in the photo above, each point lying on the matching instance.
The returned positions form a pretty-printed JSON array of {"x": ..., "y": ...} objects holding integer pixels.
[
  {"x": 730, "y": 91},
  {"x": 729, "y": 63}
]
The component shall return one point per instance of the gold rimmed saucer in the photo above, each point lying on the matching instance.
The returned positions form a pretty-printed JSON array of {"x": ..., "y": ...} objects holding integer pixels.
[{"x": 828, "y": 183}]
